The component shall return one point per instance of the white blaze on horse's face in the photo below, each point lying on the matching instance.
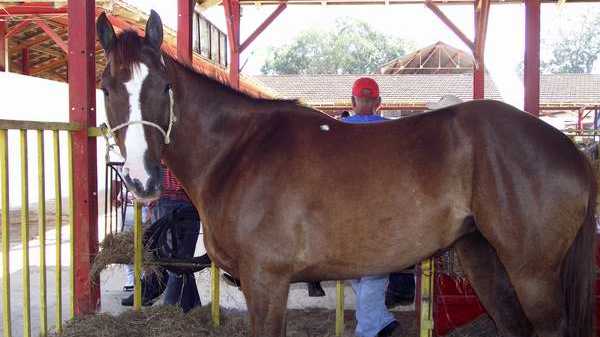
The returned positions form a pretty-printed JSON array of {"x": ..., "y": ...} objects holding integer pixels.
[{"x": 135, "y": 138}]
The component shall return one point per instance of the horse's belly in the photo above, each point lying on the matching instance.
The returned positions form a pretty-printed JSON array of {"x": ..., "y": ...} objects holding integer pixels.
[{"x": 380, "y": 248}]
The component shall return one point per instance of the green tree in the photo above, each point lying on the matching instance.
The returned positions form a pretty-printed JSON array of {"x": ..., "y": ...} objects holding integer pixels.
[
  {"x": 352, "y": 47},
  {"x": 576, "y": 52}
]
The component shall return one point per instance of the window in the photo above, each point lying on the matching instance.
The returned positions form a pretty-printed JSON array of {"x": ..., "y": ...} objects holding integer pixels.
[
  {"x": 214, "y": 43},
  {"x": 204, "y": 37},
  {"x": 223, "y": 49}
]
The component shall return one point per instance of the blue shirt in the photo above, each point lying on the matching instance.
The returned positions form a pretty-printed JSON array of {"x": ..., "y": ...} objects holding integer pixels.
[{"x": 361, "y": 119}]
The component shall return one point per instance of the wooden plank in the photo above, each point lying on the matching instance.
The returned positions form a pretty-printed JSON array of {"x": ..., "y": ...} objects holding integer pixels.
[{"x": 48, "y": 66}]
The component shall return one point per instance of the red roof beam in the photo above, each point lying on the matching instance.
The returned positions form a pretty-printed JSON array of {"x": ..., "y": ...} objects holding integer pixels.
[
  {"x": 282, "y": 6},
  {"x": 32, "y": 9},
  {"x": 53, "y": 35},
  {"x": 483, "y": 10},
  {"x": 17, "y": 28},
  {"x": 438, "y": 12}
]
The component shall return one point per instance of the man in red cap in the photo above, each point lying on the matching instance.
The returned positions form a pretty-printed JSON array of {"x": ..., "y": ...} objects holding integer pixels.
[
  {"x": 365, "y": 102},
  {"x": 372, "y": 316}
]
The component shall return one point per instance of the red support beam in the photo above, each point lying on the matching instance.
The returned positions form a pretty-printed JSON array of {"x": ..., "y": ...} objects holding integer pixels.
[
  {"x": 531, "y": 74},
  {"x": 282, "y": 6},
  {"x": 478, "y": 66},
  {"x": 438, "y": 12},
  {"x": 25, "y": 61},
  {"x": 32, "y": 9},
  {"x": 232, "y": 18},
  {"x": 82, "y": 103},
  {"x": 53, "y": 35},
  {"x": 17, "y": 28},
  {"x": 185, "y": 11},
  {"x": 3, "y": 45}
]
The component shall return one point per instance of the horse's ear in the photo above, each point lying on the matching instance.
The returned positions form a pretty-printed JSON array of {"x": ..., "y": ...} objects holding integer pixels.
[
  {"x": 106, "y": 32},
  {"x": 154, "y": 30}
]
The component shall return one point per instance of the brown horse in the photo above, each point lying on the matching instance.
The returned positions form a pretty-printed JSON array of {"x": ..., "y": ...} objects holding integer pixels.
[{"x": 281, "y": 203}]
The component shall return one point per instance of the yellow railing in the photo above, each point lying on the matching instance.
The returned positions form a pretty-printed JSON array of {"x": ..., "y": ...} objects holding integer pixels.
[
  {"x": 427, "y": 300},
  {"x": 23, "y": 128}
]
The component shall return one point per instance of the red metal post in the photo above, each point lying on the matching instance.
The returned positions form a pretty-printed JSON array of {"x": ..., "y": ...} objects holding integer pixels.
[
  {"x": 531, "y": 76},
  {"x": 282, "y": 6},
  {"x": 82, "y": 103},
  {"x": 3, "y": 45},
  {"x": 478, "y": 66},
  {"x": 25, "y": 61},
  {"x": 185, "y": 11},
  {"x": 232, "y": 17}
]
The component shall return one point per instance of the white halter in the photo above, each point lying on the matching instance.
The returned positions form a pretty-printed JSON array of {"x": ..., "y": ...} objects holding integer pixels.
[{"x": 109, "y": 132}]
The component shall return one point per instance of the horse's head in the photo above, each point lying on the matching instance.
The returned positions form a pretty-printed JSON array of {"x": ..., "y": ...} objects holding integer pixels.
[{"x": 138, "y": 101}]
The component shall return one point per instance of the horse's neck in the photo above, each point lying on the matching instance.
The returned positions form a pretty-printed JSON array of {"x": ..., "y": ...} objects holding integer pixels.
[{"x": 210, "y": 127}]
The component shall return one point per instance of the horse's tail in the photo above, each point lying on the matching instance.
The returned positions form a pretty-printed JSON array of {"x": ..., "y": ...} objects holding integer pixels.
[{"x": 578, "y": 274}]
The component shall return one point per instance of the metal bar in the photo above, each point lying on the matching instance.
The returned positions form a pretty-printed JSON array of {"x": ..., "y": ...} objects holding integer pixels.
[
  {"x": 58, "y": 218},
  {"x": 106, "y": 196},
  {"x": 137, "y": 259},
  {"x": 339, "y": 308},
  {"x": 6, "y": 321},
  {"x": 42, "y": 232},
  {"x": 454, "y": 28},
  {"x": 31, "y": 125},
  {"x": 71, "y": 223},
  {"x": 427, "y": 282},
  {"x": 232, "y": 17},
  {"x": 531, "y": 75},
  {"x": 478, "y": 64},
  {"x": 215, "y": 294},
  {"x": 82, "y": 110},
  {"x": 3, "y": 45},
  {"x": 185, "y": 10},
  {"x": 110, "y": 203},
  {"x": 53, "y": 35},
  {"x": 483, "y": 7},
  {"x": 25, "y": 234},
  {"x": 280, "y": 8}
]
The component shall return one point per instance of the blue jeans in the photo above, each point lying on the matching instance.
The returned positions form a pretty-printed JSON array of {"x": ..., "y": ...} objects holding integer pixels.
[
  {"x": 371, "y": 313},
  {"x": 181, "y": 289}
]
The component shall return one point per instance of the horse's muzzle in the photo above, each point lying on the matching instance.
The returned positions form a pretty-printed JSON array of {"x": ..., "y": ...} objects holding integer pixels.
[{"x": 149, "y": 192}]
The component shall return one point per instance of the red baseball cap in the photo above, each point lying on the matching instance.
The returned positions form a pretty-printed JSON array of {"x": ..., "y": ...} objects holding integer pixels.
[{"x": 365, "y": 87}]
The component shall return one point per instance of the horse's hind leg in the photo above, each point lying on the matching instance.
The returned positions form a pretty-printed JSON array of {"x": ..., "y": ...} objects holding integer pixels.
[
  {"x": 266, "y": 296},
  {"x": 491, "y": 283}
]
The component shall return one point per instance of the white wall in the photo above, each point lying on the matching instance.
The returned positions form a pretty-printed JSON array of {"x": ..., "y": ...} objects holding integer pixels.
[{"x": 36, "y": 99}]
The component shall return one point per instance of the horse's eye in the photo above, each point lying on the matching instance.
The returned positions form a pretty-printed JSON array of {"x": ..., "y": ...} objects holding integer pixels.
[
  {"x": 104, "y": 91},
  {"x": 167, "y": 88}
]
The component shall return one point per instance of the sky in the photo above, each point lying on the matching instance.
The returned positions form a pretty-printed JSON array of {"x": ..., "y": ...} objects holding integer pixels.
[{"x": 415, "y": 23}]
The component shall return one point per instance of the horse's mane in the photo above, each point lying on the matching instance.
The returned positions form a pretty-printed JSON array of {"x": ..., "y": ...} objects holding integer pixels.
[{"x": 127, "y": 52}]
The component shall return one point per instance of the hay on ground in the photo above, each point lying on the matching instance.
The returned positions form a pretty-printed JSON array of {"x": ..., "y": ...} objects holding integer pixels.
[{"x": 169, "y": 321}]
